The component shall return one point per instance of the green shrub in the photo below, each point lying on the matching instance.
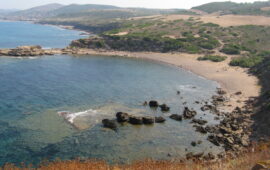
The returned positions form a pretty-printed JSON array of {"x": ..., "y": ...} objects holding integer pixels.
[
  {"x": 214, "y": 58},
  {"x": 231, "y": 49},
  {"x": 246, "y": 61},
  {"x": 210, "y": 25}
]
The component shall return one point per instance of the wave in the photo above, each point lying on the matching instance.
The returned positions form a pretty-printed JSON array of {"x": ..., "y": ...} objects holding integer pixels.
[{"x": 71, "y": 116}]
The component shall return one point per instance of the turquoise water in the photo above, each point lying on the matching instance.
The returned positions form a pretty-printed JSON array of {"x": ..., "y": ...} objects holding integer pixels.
[
  {"x": 15, "y": 34},
  {"x": 34, "y": 90}
]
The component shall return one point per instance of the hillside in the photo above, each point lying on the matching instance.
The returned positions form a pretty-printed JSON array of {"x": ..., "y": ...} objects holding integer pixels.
[
  {"x": 256, "y": 8},
  {"x": 7, "y": 11},
  {"x": 75, "y": 11},
  {"x": 33, "y": 13}
]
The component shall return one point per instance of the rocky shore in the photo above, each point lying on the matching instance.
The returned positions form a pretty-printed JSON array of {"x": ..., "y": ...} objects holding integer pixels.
[
  {"x": 232, "y": 132},
  {"x": 30, "y": 51}
]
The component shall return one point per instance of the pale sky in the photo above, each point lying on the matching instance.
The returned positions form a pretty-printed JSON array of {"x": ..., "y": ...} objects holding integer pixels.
[{"x": 24, "y": 4}]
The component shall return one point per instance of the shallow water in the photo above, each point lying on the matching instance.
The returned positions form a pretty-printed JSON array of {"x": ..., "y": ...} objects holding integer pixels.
[
  {"x": 33, "y": 91},
  {"x": 14, "y": 34}
]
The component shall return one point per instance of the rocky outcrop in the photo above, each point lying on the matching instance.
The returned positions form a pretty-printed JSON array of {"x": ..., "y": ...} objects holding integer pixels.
[{"x": 24, "y": 51}]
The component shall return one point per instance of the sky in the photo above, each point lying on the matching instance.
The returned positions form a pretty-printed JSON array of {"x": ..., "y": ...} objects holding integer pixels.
[{"x": 24, "y": 4}]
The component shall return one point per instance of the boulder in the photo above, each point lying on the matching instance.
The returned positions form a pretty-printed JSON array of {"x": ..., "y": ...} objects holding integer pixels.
[
  {"x": 199, "y": 121},
  {"x": 148, "y": 120},
  {"x": 111, "y": 124},
  {"x": 200, "y": 129},
  {"x": 153, "y": 103},
  {"x": 122, "y": 117},
  {"x": 135, "y": 120},
  {"x": 164, "y": 108},
  {"x": 193, "y": 143},
  {"x": 188, "y": 114},
  {"x": 159, "y": 119},
  {"x": 176, "y": 117}
]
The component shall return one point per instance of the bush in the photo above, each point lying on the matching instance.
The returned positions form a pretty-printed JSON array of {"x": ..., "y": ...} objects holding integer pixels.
[
  {"x": 214, "y": 58},
  {"x": 246, "y": 62},
  {"x": 210, "y": 25},
  {"x": 231, "y": 49}
]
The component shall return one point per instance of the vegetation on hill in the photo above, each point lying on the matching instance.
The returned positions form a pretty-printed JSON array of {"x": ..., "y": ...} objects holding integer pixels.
[
  {"x": 214, "y": 58},
  {"x": 256, "y": 8}
]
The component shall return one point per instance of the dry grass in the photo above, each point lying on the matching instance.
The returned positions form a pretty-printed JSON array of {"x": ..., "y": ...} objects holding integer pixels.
[
  {"x": 224, "y": 21},
  {"x": 243, "y": 162}
]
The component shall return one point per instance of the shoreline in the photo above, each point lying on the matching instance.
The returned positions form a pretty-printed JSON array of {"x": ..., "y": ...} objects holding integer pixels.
[{"x": 220, "y": 72}]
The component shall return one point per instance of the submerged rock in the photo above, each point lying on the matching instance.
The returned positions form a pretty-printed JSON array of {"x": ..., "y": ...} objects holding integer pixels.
[
  {"x": 159, "y": 119},
  {"x": 164, "y": 108},
  {"x": 176, "y": 117},
  {"x": 122, "y": 117},
  {"x": 153, "y": 103},
  {"x": 111, "y": 124}
]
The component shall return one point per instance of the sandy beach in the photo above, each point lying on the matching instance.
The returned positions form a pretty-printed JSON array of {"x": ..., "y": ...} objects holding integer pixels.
[{"x": 232, "y": 79}]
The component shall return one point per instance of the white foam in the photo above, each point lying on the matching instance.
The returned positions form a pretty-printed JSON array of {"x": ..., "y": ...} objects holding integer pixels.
[{"x": 70, "y": 117}]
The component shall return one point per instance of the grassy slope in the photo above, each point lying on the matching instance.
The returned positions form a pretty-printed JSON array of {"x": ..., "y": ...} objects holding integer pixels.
[{"x": 236, "y": 8}]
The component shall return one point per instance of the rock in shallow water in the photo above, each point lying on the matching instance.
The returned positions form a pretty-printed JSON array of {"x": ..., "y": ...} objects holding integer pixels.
[
  {"x": 153, "y": 103},
  {"x": 135, "y": 120},
  {"x": 122, "y": 117},
  {"x": 188, "y": 114},
  {"x": 159, "y": 119},
  {"x": 148, "y": 120},
  {"x": 176, "y": 117},
  {"x": 164, "y": 108},
  {"x": 111, "y": 124}
]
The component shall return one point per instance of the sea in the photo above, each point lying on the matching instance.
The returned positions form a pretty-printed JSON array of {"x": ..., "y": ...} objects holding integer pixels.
[{"x": 35, "y": 93}]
